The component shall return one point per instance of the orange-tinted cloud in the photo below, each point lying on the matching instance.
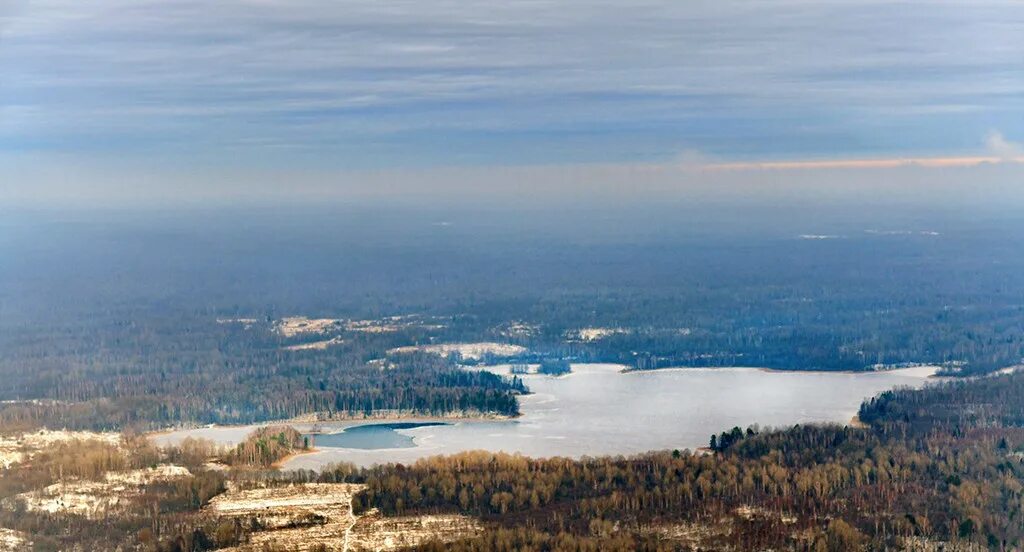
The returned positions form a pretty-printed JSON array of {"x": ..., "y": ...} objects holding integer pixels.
[{"x": 883, "y": 163}]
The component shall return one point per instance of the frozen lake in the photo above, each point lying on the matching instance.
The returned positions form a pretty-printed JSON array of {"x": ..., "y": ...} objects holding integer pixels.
[{"x": 599, "y": 410}]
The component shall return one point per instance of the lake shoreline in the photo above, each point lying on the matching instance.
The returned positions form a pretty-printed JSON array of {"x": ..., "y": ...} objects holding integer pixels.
[
  {"x": 279, "y": 464},
  {"x": 933, "y": 369},
  {"x": 311, "y": 419},
  {"x": 624, "y": 413}
]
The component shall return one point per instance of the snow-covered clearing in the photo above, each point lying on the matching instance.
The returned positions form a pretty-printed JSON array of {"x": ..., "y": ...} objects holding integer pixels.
[
  {"x": 376, "y": 532},
  {"x": 468, "y": 351},
  {"x": 296, "y": 325},
  {"x": 12, "y": 541},
  {"x": 315, "y": 345},
  {"x": 595, "y": 334},
  {"x": 95, "y": 499},
  {"x": 18, "y": 448},
  {"x": 304, "y": 516}
]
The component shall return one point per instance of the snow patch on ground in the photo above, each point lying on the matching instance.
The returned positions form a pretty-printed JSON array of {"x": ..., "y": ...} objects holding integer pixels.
[
  {"x": 293, "y": 326},
  {"x": 518, "y": 329},
  {"x": 245, "y": 322},
  {"x": 145, "y": 476},
  {"x": 296, "y": 325},
  {"x": 308, "y": 497},
  {"x": 376, "y": 532},
  {"x": 11, "y": 540},
  {"x": 468, "y": 351},
  {"x": 305, "y": 516},
  {"x": 589, "y": 335},
  {"x": 19, "y": 448},
  {"x": 315, "y": 345},
  {"x": 386, "y": 325},
  {"x": 94, "y": 499}
]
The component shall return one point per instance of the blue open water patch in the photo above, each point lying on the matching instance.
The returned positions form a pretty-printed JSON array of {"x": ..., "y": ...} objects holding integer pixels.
[{"x": 371, "y": 436}]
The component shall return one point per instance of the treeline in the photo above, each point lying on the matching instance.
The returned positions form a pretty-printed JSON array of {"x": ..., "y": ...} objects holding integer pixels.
[
  {"x": 837, "y": 536},
  {"x": 146, "y": 377},
  {"x": 955, "y": 406},
  {"x": 942, "y": 464},
  {"x": 996, "y": 341},
  {"x": 721, "y": 442}
]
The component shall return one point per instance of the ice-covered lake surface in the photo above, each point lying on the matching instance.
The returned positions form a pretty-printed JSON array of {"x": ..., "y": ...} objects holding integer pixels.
[{"x": 600, "y": 410}]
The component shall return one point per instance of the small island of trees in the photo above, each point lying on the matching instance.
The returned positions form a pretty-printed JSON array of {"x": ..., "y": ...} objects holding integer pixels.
[{"x": 557, "y": 367}]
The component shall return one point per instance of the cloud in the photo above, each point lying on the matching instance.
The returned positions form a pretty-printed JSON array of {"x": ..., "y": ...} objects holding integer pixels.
[
  {"x": 1002, "y": 148},
  {"x": 376, "y": 84},
  {"x": 880, "y": 163},
  {"x": 999, "y": 149},
  {"x": 8, "y": 10}
]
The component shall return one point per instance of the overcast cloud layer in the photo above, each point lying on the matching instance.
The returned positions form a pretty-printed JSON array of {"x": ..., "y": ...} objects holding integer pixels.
[{"x": 381, "y": 84}]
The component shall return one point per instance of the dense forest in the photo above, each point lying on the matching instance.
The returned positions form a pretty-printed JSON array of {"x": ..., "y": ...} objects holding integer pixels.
[{"x": 170, "y": 371}]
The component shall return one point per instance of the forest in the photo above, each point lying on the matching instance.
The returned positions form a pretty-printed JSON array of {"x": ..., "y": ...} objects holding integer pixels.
[
  {"x": 165, "y": 372},
  {"x": 940, "y": 466},
  {"x": 112, "y": 322}
]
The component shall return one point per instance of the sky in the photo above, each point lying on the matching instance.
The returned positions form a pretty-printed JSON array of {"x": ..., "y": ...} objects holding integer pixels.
[{"x": 111, "y": 99}]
